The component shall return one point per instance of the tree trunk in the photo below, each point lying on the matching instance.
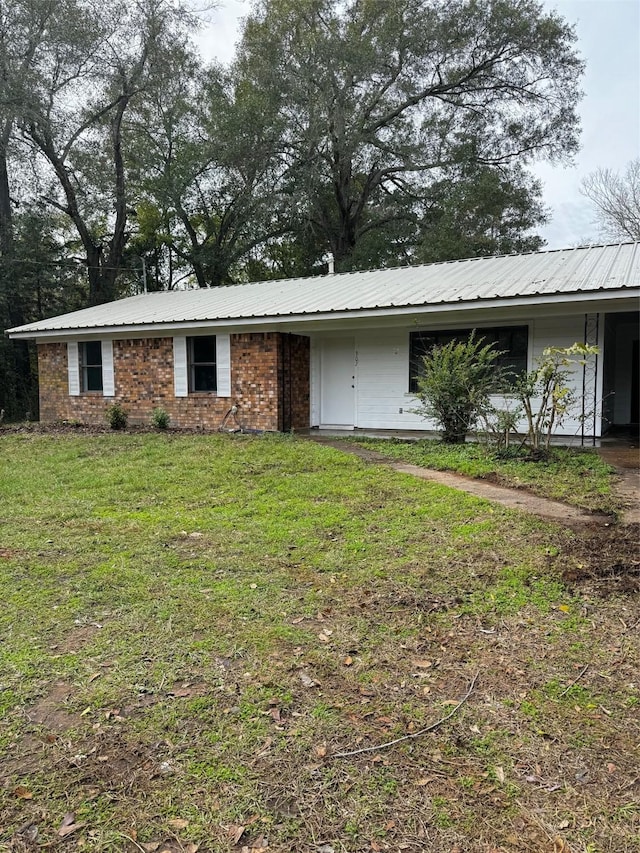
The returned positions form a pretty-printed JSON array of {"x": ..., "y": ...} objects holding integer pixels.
[{"x": 6, "y": 215}]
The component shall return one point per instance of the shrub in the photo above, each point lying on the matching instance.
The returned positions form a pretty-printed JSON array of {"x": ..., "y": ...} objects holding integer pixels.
[
  {"x": 496, "y": 425},
  {"x": 546, "y": 395},
  {"x": 455, "y": 385},
  {"x": 160, "y": 418},
  {"x": 116, "y": 416}
]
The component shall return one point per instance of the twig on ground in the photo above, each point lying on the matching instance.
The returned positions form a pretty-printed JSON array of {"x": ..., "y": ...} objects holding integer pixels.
[
  {"x": 575, "y": 680},
  {"x": 412, "y": 735},
  {"x": 132, "y": 840}
]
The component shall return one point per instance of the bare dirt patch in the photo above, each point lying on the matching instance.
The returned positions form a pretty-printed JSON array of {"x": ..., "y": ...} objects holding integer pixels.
[
  {"x": 607, "y": 559},
  {"x": 76, "y": 639},
  {"x": 7, "y": 554},
  {"x": 50, "y": 711}
]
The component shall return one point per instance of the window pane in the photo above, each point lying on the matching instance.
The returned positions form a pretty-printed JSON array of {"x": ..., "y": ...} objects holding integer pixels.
[
  {"x": 204, "y": 350},
  {"x": 204, "y": 377},
  {"x": 93, "y": 353},
  {"x": 512, "y": 340},
  {"x": 93, "y": 380}
]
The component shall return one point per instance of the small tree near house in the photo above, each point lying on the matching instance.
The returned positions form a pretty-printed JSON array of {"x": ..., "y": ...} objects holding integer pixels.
[{"x": 546, "y": 395}]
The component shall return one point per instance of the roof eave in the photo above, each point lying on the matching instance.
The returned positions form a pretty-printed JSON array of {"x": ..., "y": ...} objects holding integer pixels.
[{"x": 23, "y": 333}]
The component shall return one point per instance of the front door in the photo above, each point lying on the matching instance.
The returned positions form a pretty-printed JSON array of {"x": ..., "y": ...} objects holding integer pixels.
[{"x": 337, "y": 382}]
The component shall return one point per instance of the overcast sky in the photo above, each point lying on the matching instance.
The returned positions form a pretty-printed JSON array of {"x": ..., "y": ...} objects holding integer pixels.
[{"x": 609, "y": 40}]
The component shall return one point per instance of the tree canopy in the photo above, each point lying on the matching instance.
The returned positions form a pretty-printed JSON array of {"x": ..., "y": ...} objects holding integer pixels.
[
  {"x": 380, "y": 101},
  {"x": 385, "y": 133}
]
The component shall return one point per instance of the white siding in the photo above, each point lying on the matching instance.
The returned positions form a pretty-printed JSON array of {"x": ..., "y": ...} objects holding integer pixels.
[
  {"x": 223, "y": 365},
  {"x": 383, "y": 400},
  {"x": 383, "y": 382},
  {"x": 108, "y": 377},
  {"x": 180, "y": 379},
  {"x": 562, "y": 332},
  {"x": 73, "y": 367}
]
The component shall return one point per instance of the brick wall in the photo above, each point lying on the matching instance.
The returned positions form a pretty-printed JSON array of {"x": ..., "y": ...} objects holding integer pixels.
[
  {"x": 294, "y": 382},
  {"x": 144, "y": 380}
]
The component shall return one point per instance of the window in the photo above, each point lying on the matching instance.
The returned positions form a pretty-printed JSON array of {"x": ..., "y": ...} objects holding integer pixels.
[
  {"x": 202, "y": 363},
  {"x": 91, "y": 365},
  {"x": 513, "y": 341}
]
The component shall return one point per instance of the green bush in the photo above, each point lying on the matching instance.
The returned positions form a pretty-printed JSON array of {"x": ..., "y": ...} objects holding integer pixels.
[
  {"x": 116, "y": 416},
  {"x": 160, "y": 418},
  {"x": 455, "y": 385}
]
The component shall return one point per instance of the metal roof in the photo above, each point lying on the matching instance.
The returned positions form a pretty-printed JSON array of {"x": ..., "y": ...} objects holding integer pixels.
[{"x": 564, "y": 271}]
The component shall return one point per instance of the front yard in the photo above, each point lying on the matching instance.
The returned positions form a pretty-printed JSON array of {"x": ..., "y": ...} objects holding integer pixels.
[{"x": 195, "y": 627}]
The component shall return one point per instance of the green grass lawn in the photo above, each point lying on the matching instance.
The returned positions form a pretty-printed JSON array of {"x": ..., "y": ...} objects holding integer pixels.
[
  {"x": 194, "y": 626},
  {"x": 576, "y": 476}
]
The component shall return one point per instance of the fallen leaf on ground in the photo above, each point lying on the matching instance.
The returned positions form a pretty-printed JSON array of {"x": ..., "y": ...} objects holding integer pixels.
[
  {"x": 178, "y": 823},
  {"x": 235, "y": 833},
  {"x": 22, "y": 793}
]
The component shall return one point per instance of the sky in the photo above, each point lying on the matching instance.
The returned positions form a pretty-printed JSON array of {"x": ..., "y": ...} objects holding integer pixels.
[{"x": 609, "y": 41}]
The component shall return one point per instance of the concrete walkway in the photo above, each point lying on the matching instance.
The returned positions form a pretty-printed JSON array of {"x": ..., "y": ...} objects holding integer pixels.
[
  {"x": 512, "y": 498},
  {"x": 626, "y": 461}
]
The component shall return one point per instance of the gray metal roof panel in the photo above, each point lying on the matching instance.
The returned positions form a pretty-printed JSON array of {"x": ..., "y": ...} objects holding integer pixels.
[{"x": 563, "y": 271}]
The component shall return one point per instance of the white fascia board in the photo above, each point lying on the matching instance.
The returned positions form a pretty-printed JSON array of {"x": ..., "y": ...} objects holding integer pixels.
[{"x": 277, "y": 321}]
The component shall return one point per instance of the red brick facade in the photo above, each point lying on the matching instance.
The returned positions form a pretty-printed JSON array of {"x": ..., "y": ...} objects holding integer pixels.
[{"x": 269, "y": 384}]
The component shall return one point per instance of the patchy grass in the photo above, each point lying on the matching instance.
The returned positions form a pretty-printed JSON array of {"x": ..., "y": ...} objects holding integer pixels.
[
  {"x": 576, "y": 476},
  {"x": 193, "y": 627}
]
